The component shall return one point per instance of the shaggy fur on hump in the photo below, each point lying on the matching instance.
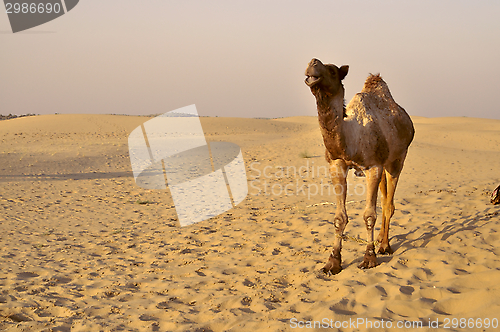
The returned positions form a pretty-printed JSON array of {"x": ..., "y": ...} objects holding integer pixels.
[{"x": 373, "y": 81}]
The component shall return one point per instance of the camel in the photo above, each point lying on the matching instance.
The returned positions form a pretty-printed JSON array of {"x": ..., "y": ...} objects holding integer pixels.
[{"x": 372, "y": 135}]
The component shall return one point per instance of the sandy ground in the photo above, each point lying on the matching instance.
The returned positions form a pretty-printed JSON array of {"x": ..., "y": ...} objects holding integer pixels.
[{"x": 84, "y": 249}]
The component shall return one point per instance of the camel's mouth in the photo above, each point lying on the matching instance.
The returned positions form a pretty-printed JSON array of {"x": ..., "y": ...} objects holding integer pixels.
[{"x": 311, "y": 80}]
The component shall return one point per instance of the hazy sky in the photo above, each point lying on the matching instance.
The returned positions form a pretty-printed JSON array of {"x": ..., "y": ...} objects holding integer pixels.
[{"x": 247, "y": 58}]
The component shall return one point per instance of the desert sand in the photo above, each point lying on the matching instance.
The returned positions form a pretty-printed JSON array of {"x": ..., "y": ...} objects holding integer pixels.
[{"x": 85, "y": 249}]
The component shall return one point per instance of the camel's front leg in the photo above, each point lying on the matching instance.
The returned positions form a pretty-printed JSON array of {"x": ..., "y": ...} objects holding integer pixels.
[
  {"x": 373, "y": 176},
  {"x": 338, "y": 171}
]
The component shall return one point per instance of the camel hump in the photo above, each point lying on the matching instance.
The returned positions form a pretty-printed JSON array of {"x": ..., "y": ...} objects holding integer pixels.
[{"x": 375, "y": 84}]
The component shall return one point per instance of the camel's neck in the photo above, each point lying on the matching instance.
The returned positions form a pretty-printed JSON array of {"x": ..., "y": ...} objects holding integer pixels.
[
  {"x": 331, "y": 113},
  {"x": 331, "y": 109}
]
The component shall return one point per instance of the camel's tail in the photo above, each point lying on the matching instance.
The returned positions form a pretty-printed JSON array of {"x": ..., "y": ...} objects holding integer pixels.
[{"x": 375, "y": 84}]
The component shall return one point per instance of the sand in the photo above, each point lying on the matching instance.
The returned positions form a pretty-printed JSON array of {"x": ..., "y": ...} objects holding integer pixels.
[{"x": 85, "y": 249}]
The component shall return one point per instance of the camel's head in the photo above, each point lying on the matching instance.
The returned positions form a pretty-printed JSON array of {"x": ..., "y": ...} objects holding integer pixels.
[{"x": 327, "y": 77}]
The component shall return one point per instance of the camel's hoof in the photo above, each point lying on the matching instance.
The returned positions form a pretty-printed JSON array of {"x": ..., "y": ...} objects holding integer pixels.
[
  {"x": 370, "y": 259},
  {"x": 385, "y": 250},
  {"x": 333, "y": 265},
  {"x": 367, "y": 264},
  {"x": 329, "y": 269}
]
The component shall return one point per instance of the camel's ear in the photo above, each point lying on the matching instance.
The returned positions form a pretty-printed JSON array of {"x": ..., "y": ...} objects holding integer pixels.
[{"x": 343, "y": 71}]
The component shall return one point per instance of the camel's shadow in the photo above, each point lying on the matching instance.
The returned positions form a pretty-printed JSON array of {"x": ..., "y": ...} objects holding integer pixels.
[
  {"x": 453, "y": 226},
  {"x": 403, "y": 243}
]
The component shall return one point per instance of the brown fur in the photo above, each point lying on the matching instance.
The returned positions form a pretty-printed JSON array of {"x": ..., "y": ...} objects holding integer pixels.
[
  {"x": 372, "y": 133},
  {"x": 372, "y": 82}
]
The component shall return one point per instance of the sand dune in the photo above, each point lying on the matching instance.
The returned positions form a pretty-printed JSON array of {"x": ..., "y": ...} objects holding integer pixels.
[{"x": 85, "y": 249}]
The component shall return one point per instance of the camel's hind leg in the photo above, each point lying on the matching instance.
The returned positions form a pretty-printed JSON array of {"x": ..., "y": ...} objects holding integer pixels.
[
  {"x": 388, "y": 188},
  {"x": 386, "y": 249}
]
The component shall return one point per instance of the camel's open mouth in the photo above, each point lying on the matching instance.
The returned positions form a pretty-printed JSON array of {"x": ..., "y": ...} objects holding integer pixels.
[{"x": 311, "y": 80}]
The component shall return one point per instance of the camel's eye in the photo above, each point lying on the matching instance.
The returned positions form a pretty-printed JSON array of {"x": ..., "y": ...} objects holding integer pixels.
[{"x": 333, "y": 72}]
